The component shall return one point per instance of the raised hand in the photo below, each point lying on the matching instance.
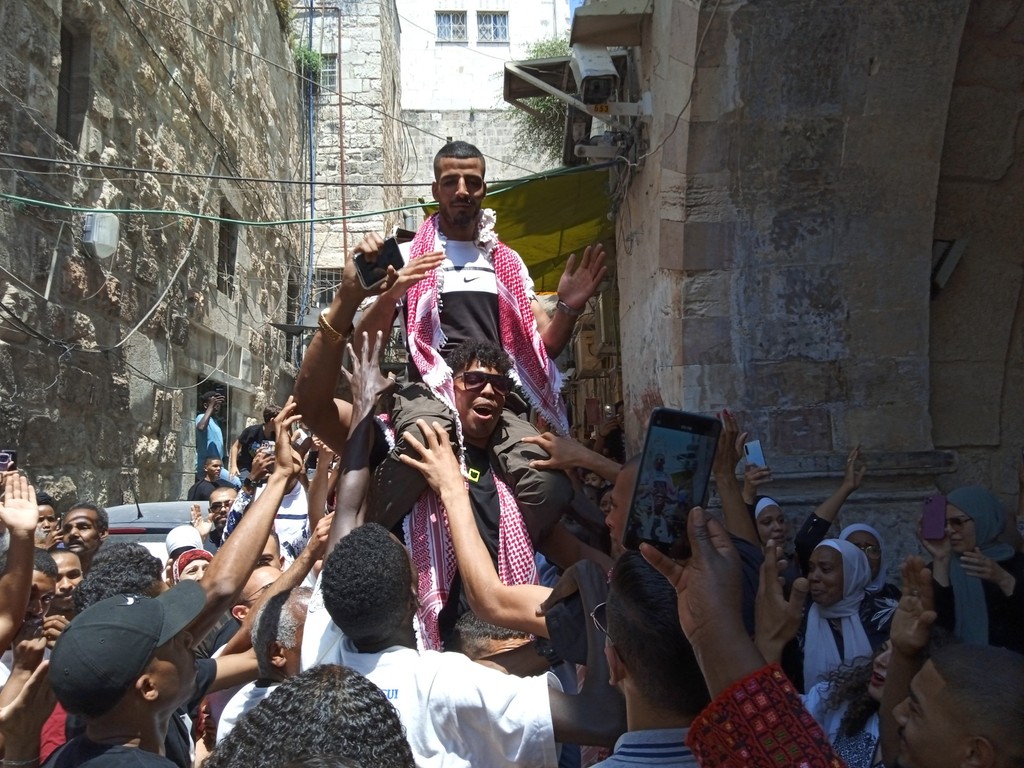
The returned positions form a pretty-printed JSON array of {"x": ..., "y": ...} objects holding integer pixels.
[
  {"x": 915, "y": 615},
  {"x": 19, "y": 510},
  {"x": 398, "y": 282},
  {"x": 576, "y": 286},
  {"x": 855, "y": 471},
  {"x": 730, "y": 446},
  {"x": 317, "y": 544},
  {"x": 436, "y": 462},
  {"x": 708, "y": 594},
  {"x": 285, "y": 458},
  {"x": 708, "y": 589},
  {"x": 203, "y": 526},
  {"x": 753, "y": 478},
  {"x": 777, "y": 619},
  {"x": 366, "y": 380}
]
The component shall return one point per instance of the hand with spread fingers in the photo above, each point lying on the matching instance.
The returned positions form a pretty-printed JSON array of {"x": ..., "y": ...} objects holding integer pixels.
[
  {"x": 366, "y": 380},
  {"x": 437, "y": 462},
  {"x": 576, "y": 286},
  {"x": 19, "y": 510}
]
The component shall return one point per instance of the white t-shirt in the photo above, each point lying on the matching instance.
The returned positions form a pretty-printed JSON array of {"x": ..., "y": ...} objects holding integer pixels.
[
  {"x": 469, "y": 294},
  {"x": 291, "y": 522},
  {"x": 247, "y": 697},
  {"x": 456, "y": 713}
]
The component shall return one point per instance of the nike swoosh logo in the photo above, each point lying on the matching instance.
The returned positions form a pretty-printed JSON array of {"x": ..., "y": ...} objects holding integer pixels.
[{"x": 470, "y": 278}]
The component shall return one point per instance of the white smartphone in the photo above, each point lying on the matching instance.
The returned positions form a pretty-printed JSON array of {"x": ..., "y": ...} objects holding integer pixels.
[{"x": 754, "y": 454}]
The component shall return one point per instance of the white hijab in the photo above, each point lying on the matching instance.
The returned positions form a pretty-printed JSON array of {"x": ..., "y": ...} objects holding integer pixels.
[
  {"x": 878, "y": 582},
  {"x": 821, "y": 655}
]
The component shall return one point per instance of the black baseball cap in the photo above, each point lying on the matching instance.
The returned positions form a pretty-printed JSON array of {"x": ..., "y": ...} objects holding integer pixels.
[{"x": 108, "y": 645}]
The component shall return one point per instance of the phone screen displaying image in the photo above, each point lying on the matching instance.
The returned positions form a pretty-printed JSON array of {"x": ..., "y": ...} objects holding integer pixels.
[{"x": 672, "y": 479}]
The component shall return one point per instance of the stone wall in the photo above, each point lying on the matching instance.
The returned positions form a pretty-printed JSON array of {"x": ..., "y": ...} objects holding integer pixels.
[
  {"x": 779, "y": 236},
  {"x": 357, "y": 149},
  {"x": 977, "y": 347},
  {"x": 489, "y": 130},
  {"x": 98, "y": 388}
]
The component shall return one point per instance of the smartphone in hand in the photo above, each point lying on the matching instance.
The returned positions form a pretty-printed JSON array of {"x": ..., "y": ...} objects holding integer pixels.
[
  {"x": 933, "y": 518},
  {"x": 754, "y": 453},
  {"x": 675, "y": 468},
  {"x": 371, "y": 273}
]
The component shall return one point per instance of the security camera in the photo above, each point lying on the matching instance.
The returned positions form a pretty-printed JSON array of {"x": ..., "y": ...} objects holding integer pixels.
[{"x": 595, "y": 74}]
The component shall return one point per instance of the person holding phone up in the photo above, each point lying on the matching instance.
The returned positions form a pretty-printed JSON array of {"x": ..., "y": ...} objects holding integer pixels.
[
  {"x": 460, "y": 283},
  {"x": 978, "y": 580}
]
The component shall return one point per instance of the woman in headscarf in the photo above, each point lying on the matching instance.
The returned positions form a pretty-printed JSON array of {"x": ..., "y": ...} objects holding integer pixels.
[
  {"x": 190, "y": 565},
  {"x": 833, "y": 633},
  {"x": 881, "y": 598},
  {"x": 979, "y": 581}
]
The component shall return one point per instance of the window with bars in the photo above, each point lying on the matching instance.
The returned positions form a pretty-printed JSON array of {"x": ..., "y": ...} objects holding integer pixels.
[
  {"x": 492, "y": 27},
  {"x": 451, "y": 27},
  {"x": 324, "y": 283},
  {"x": 227, "y": 250},
  {"x": 329, "y": 74}
]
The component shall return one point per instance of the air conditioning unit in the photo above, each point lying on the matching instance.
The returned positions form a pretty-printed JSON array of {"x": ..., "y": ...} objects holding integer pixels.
[{"x": 588, "y": 364}]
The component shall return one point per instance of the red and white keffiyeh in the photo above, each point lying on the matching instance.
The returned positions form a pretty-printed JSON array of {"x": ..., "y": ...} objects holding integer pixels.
[
  {"x": 426, "y": 527},
  {"x": 531, "y": 368},
  {"x": 430, "y": 544}
]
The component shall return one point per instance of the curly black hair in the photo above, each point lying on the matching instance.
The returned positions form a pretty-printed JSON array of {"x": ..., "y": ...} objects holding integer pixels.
[
  {"x": 324, "y": 761},
  {"x": 326, "y": 710},
  {"x": 367, "y": 585},
  {"x": 483, "y": 352},
  {"x": 119, "y": 568},
  {"x": 848, "y": 684}
]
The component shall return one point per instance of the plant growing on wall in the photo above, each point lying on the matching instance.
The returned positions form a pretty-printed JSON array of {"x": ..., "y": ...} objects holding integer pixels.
[
  {"x": 542, "y": 135},
  {"x": 308, "y": 62}
]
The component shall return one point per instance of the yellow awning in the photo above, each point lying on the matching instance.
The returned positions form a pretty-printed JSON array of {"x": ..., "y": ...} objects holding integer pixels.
[{"x": 545, "y": 218}]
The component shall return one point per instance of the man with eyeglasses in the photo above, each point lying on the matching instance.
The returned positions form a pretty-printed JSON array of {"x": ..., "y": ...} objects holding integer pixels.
[
  {"x": 221, "y": 500},
  {"x": 652, "y": 663},
  {"x": 481, "y": 383}
]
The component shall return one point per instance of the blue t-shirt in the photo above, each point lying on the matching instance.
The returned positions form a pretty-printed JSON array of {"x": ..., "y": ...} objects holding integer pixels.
[{"x": 209, "y": 441}]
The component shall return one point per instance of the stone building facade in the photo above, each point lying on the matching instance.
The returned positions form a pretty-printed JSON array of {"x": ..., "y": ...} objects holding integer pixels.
[
  {"x": 803, "y": 164},
  {"x": 358, "y": 157},
  {"x": 453, "y": 59},
  {"x": 183, "y": 119}
]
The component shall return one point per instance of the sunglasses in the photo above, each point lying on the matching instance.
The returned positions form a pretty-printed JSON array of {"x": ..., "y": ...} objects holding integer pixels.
[{"x": 474, "y": 380}]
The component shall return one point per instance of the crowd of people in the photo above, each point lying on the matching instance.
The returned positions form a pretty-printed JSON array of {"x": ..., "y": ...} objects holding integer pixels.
[{"x": 446, "y": 585}]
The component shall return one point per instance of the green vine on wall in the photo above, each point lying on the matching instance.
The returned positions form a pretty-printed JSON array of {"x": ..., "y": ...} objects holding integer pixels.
[
  {"x": 542, "y": 135},
  {"x": 308, "y": 62}
]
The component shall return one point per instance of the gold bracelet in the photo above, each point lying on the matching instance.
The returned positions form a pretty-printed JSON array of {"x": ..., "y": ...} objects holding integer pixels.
[{"x": 328, "y": 331}]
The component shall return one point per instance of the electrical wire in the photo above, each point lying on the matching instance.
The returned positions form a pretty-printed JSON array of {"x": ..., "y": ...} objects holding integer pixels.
[
  {"x": 287, "y": 222},
  {"x": 304, "y": 79}
]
